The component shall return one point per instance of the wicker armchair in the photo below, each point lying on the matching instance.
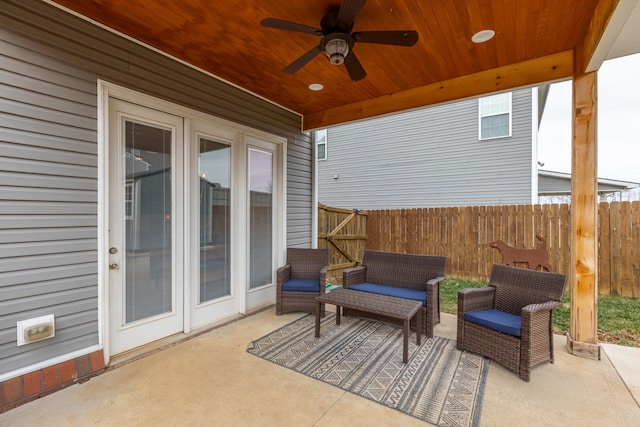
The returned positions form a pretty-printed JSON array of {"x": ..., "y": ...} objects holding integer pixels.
[
  {"x": 511, "y": 320},
  {"x": 301, "y": 280}
]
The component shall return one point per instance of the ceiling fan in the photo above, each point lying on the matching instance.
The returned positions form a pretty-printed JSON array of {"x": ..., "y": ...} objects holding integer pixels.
[{"x": 338, "y": 39}]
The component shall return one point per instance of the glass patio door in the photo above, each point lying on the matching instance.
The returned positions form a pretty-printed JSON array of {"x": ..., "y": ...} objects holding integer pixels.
[
  {"x": 260, "y": 218},
  {"x": 213, "y": 295},
  {"x": 262, "y": 199},
  {"x": 193, "y": 223},
  {"x": 145, "y": 299}
]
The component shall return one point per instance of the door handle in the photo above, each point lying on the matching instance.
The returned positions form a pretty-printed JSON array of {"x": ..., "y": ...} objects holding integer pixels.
[{"x": 114, "y": 266}]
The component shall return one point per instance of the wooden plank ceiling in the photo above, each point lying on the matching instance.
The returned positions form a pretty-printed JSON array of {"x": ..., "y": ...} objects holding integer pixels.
[{"x": 534, "y": 42}]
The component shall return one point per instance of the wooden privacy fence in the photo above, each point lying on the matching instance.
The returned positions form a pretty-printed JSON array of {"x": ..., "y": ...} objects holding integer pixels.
[
  {"x": 463, "y": 234},
  {"x": 344, "y": 232}
]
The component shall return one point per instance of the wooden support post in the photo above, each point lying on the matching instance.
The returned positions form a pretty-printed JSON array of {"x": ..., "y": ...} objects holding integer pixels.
[{"x": 582, "y": 339}]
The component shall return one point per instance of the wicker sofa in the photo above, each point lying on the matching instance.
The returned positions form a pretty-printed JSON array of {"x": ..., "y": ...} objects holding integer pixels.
[{"x": 395, "y": 274}]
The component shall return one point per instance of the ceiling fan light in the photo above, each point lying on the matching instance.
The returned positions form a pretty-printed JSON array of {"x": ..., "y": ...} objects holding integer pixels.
[
  {"x": 336, "y": 58},
  {"x": 336, "y": 50}
]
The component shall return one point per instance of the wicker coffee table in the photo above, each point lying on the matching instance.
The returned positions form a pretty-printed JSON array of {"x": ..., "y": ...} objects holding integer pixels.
[{"x": 380, "y": 305}]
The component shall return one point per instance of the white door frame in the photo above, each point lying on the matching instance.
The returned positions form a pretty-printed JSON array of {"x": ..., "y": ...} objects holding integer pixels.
[
  {"x": 201, "y": 314},
  {"x": 132, "y": 334},
  {"x": 266, "y": 294},
  {"x": 107, "y": 90}
]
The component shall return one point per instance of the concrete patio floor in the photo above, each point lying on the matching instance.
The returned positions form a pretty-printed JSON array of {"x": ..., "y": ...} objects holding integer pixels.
[{"x": 211, "y": 380}]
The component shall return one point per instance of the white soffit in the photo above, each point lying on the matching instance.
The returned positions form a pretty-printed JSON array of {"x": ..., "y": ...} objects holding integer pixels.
[{"x": 622, "y": 35}]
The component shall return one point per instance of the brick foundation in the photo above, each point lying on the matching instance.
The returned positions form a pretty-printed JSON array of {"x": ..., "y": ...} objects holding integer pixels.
[{"x": 33, "y": 385}]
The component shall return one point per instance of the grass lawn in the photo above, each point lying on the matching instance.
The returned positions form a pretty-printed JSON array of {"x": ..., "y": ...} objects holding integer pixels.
[{"x": 618, "y": 317}]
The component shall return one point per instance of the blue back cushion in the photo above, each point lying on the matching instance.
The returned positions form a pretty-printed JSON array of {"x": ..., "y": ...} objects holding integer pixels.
[
  {"x": 392, "y": 291},
  {"x": 496, "y": 320},
  {"x": 302, "y": 285}
]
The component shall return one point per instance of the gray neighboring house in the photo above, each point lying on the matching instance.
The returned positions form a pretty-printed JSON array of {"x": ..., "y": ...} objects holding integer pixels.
[
  {"x": 471, "y": 152},
  {"x": 555, "y": 187},
  {"x": 450, "y": 158},
  {"x": 133, "y": 190}
]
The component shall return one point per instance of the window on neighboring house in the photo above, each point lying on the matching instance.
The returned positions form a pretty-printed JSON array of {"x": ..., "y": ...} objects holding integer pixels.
[
  {"x": 495, "y": 116},
  {"x": 321, "y": 142}
]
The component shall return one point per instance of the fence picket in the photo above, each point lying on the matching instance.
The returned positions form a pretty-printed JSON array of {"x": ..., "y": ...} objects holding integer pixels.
[
  {"x": 615, "y": 249},
  {"x": 635, "y": 238},
  {"x": 626, "y": 274},
  {"x": 604, "y": 250}
]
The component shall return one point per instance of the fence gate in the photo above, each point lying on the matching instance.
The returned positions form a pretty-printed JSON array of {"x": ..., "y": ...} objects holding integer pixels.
[{"x": 344, "y": 232}]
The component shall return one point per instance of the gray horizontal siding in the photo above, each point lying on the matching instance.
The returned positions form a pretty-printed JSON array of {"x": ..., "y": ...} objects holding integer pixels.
[
  {"x": 51, "y": 234},
  {"x": 50, "y": 62},
  {"x": 428, "y": 158},
  {"x": 48, "y": 213},
  {"x": 22, "y": 263},
  {"x": 42, "y": 181},
  {"x": 299, "y": 191},
  {"x": 57, "y": 247},
  {"x": 11, "y": 278},
  {"x": 553, "y": 185},
  {"x": 561, "y": 185},
  {"x": 46, "y": 161},
  {"x": 46, "y": 140},
  {"x": 84, "y": 298},
  {"x": 53, "y": 208}
]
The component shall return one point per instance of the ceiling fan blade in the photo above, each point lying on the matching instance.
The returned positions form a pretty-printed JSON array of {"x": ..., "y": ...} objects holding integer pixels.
[
  {"x": 396, "y": 38},
  {"x": 348, "y": 11},
  {"x": 354, "y": 67},
  {"x": 302, "y": 61},
  {"x": 289, "y": 26}
]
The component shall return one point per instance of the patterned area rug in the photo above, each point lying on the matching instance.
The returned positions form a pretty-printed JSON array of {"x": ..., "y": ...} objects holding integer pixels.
[{"x": 439, "y": 384}]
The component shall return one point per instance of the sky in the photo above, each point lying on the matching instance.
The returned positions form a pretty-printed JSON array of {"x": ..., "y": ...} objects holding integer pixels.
[{"x": 618, "y": 122}]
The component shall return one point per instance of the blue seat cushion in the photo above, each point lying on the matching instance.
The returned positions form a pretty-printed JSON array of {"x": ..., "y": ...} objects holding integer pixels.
[
  {"x": 496, "y": 320},
  {"x": 392, "y": 291},
  {"x": 302, "y": 285}
]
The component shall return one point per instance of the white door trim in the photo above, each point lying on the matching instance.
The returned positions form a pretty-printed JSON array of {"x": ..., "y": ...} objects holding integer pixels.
[
  {"x": 129, "y": 334},
  {"x": 263, "y": 295},
  {"x": 215, "y": 310},
  {"x": 105, "y": 90}
]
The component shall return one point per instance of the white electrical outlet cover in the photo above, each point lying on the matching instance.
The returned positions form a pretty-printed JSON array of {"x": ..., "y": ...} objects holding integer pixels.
[{"x": 36, "y": 329}]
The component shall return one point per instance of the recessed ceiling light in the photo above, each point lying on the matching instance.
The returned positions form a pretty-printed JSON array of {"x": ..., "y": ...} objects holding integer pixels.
[
  {"x": 483, "y": 36},
  {"x": 316, "y": 86}
]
